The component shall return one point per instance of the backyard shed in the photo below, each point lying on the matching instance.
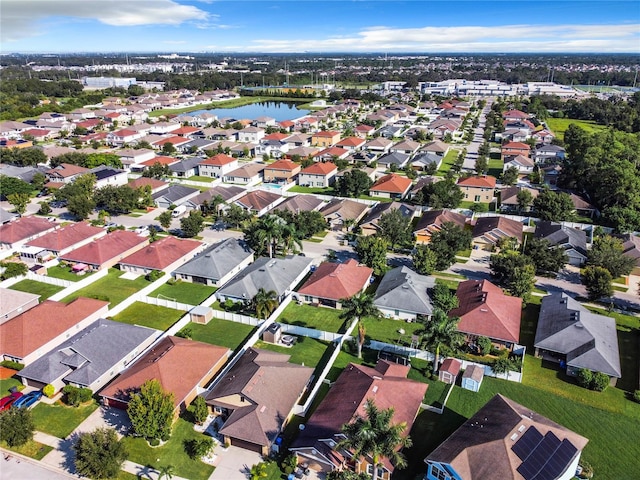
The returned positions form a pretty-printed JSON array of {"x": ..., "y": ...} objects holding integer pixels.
[
  {"x": 272, "y": 334},
  {"x": 472, "y": 378},
  {"x": 201, "y": 314},
  {"x": 449, "y": 370}
]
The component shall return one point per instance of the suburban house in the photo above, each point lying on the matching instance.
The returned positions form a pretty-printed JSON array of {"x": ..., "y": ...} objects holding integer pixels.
[
  {"x": 154, "y": 184},
  {"x": 165, "y": 255},
  {"x": 332, "y": 282},
  {"x": 251, "y": 135},
  {"x": 425, "y": 160},
  {"x": 399, "y": 159},
  {"x": 319, "y": 174},
  {"x": 545, "y": 154},
  {"x": 523, "y": 164},
  {"x": 379, "y": 145},
  {"x": 218, "y": 166},
  {"x": 508, "y": 441},
  {"x": 404, "y": 294},
  {"x": 248, "y": 174},
  {"x": 509, "y": 198},
  {"x": 106, "y": 251},
  {"x": 408, "y": 147},
  {"x": 330, "y": 154},
  {"x": 300, "y": 203},
  {"x": 432, "y": 221},
  {"x": 488, "y": 231},
  {"x": 259, "y": 202},
  {"x": 6, "y": 217},
  {"x": 438, "y": 147},
  {"x": 255, "y": 397},
  {"x": 216, "y": 264},
  {"x": 186, "y": 168},
  {"x": 479, "y": 189},
  {"x": 174, "y": 195},
  {"x": 485, "y": 311},
  {"x": 278, "y": 274},
  {"x": 182, "y": 366},
  {"x": 575, "y": 337},
  {"x": 60, "y": 241},
  {"x": 387, "y": 384},
  {"x": 15, "y": 302},
  {"x": 391, "y": 186},
  {"x": 631, "y": 248},
  {"x": 91, "y": 358},
  {"x": 351, "y": 144},
  {"x": 325, "y": 138},
  {"x": 342, "y": 213},
  {"x": 18, "y": 232},
  {"x": 281, "y": 171},
  {"x": 369, "y": 225},
  {"x": 28, "y": 336},
  {"x": 572, "y": 240},
  {"x": 513, "y": 149}
]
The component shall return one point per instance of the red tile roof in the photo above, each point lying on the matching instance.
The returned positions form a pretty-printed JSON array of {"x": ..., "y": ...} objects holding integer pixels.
[
  {"x": 163, "y": 160},
  {"x": 25, "y": 333},
  {"x": 286, "y": 165},
  {"x": 514, "y": 114},
  {"x": 23, "y": 228},
  {"x": 351, "y": 142},
  {"x": 66, "y": 237},
  {"x": 326, "y": 134},
  {"x": 333, "y": 152},
  {"x": 320, "y": 168},
  {"x": 486, "y": 311},
  {"x": 485, "y": 181},
  {"x": 335, "y": 281},
  {"x": 174, "y": 140},
  {"x": 124, "y": 132},
  {"x": 177, "y": 363},
  {"x": 185, "y": 131},
  {"x": 106, "y": 248},
  {"x": 162, "y": 253},
  {"x": 277, "y": 136},
  {"x": 392, "y": 183},
  {"x": 218, "y": 160},
  {"x": 143, "y": 181},
  {"x": 516, "y": 146}
]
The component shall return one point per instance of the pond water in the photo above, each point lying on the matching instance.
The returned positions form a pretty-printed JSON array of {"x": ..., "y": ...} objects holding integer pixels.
[{"x": 278, "y": 110}]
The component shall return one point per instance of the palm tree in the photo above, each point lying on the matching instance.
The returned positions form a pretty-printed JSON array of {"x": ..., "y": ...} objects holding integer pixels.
[
  {"x": 272, "y": 227},
  {"x": 356, "y": 307},
  {"x": 374, "y": 436},
  {"x": 439, "y": 331},
  {"x": 166, "y": 471},
  {"x": 290, "y": 239},
  {"x": 264, "y": 303}
]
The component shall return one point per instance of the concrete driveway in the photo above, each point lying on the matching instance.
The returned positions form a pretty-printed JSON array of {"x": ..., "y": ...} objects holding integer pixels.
[
  {"x": 105, "y": 417},
  {"x": 234, "y": 463}
]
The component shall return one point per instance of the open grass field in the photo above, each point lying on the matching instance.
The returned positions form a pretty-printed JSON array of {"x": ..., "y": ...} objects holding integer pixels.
[
  {"x": 171, "y": 453},
  {"x": 185, "y": 292},
  {"x": 58, "y": 419},
  {"x": 221, "y": 332},
  {"x": 560, "y": 125},
  {"x": 45, "y": 290},
  {"x": 110, "y": 288},
  {"x": 320, "y": 318},
  {"x": 152, "y": 316}
]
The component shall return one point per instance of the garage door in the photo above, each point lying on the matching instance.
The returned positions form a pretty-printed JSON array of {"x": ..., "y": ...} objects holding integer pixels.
[
  {"x": 246, "y": 445},
  {"x": 116, "y": 403}
]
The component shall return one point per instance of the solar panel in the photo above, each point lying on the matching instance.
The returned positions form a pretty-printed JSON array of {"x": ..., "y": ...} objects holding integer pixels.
[
  {"x": 558, "y": 462},
  {"x": 539, "y": 457},
  {"x": 527, "y": 443}
]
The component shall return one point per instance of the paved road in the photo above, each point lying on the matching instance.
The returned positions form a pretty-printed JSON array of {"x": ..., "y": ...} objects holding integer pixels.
[
  {"x": 478, "y": 139},
  {"x": 18, "y": 467}
]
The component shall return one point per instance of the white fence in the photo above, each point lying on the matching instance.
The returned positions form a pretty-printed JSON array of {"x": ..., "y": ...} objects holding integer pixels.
[
  {"x": 165, "y": 302},
  {"x": 310, "y": 332},
  {"x": 75, "y": 286},
  {"x": 235, "y": 317},
  {"x": 50, "y": 280}
]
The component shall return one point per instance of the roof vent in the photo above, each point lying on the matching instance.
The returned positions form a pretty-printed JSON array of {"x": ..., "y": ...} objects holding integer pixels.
[
  {"x": 375, "y": 389},
  {"x": 484, "y": 310},
  {"x": 514, "y": 436}
]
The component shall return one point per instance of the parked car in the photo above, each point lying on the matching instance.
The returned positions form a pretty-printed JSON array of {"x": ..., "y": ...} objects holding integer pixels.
[
  {"x": 27, "y": 400},
  {"x": 6, "y": 402}
]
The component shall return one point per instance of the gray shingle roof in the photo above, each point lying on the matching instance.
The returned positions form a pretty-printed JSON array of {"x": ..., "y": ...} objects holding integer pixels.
[
  {"x": 275, "y": 274},
  {"x": 587, "y": 339},
  {"x": 96, "y": 349},
  {"x": 173, "y": 193},
  {"x": 299, "y": 203},
  {"x": 217, "y": 260},
  {"x": 406, "y": 290},
  {"x": 396, "y": 158},
  {"x": 186, "y": 164},
  {"x": 386, "y": 207},
  {"x": 557, "y": 234}
]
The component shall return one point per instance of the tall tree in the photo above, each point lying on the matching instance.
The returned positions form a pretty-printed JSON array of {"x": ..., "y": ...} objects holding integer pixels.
[
  {"x": 482, "y": 165},
  {"x": 513, "y": 271},
  {"x": 424, "y": 259},
  {"x": 375, "y": 436},
  {"x": 264, "y": 302},
  {"x": 99, "y": 454},
  {"x": 372, "y": 251},
  {"x": 355, "y": 308},
  {"x": 353, "y": 184},
  {"x": 151, "y": 411},
  {"x": 11, "y": 185},
  {"x": 554, "y": 206},
  {"x": 547, "y": 259},
  {"x": 597, "y": 281},
  {"x": 510, "y": 176},
  {"x": 442, "y": 194},
  {"x": 19, "y": 201},
  {"x": 440, "y": 331},
  {"x": 444, "y": 298},
  {"x": 447, "y": 242},
  {"x": 524, "y": 199},
  {"x": 608, "y": 252},
  {"x": 395, "y": 228},
  {"x": 16, "y": 426},
  {"x": 165, "y": 219},
  {"x": 192, "y": 224}
]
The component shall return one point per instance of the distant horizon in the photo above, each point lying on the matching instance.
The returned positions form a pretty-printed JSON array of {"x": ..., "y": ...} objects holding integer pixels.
[
  {"x": 324, "y": 26},
  {"x": 306, "y": 53}
]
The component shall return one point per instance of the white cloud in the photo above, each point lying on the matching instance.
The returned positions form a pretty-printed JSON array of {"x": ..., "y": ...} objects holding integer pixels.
[{"x": 22, "y": 18}]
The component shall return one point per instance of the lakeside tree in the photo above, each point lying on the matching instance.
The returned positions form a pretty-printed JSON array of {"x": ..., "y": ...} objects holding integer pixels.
[
  {"x": 99, "y": 454},
  {"x": 375, "y": 436},
  {"x": 151, "y": 411}
]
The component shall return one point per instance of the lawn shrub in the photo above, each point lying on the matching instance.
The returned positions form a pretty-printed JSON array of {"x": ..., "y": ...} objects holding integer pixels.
[
  {"x": 49, "y": 390},
  {"x": 12, "y": 365},
  {"x": 74, "y": 396},
  {"x": 636, "y": 396},
  {"x": 600, "y": 382},
  {"x": 584, "y": 377},
  {"x": 197, "y": 448}
]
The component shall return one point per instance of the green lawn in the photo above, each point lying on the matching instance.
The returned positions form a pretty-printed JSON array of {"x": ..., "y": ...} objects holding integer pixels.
[
  {"x": 495, "y": 164},
  {"x": 185, "y": 292},
  {"x": 58, "y": 419},
  {"x": 306, "y": 351},
  {"x": 200, "y": 178},
  {"x": 171, "y": 453},
  {"x": 447, "y": 162},
  {"x": 152, "y": 316},
  {"x": 7, "y": 383},
  {"x": 65, "y": 273},
  {"x": 221, "y": 332},
  {"x": 387, "y": 330},
  {"x": 45, "y": 290},
  {"x": 317, "y": 190},
  {"x": 559, "y": 125},
  {"x": 110, "y": 288},
  {"x": 31, "y": 449},
  {"x": 321, "y": 318}
]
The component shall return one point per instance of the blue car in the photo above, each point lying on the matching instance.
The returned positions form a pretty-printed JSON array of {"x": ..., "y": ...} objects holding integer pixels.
[{"x": 27, "y": 400}]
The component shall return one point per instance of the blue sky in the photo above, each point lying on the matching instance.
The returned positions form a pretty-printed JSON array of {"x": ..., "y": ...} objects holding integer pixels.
[{"x": 319, "y": 26}]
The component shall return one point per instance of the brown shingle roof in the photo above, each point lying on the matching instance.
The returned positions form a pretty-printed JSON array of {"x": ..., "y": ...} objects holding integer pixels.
[
  {"x": 177, "y": 363},
  {"x": 154, "y": 183},
  {"x": 66, "y": 237},
  {"x": 25, "y": 333},
  {"x": 106, "y": 248},
  {"x": 486, "y": 311},
  {"x": 500, "y": 225},
  {"x": 435, "y": 219},
  {"x": 258, "y": 199},
  {"x": 159, "y": 255},
  {"x": 337, "y": 280},
  {"x": 23, "y": 228}
]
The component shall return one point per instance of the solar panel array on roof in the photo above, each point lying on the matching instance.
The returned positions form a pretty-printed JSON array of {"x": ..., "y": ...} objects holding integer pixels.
[{"x": 543, "y": 457}]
